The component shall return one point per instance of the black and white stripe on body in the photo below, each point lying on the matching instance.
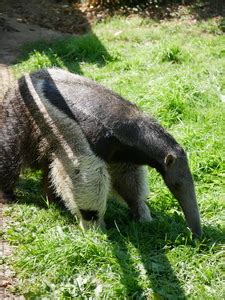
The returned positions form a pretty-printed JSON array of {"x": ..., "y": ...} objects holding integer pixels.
[
  {"x": 76, "y": 174},
  {"x": 119, "y": 134},
  {"x": 124, "y": 174},
  {"x": 126, "y": 138}
]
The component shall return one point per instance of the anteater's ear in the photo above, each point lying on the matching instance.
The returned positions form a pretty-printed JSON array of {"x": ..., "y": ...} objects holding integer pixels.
[{"x": 170, "y": 160}]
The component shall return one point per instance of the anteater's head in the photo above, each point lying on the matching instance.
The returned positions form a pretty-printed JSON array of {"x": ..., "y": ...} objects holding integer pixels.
[{"x": 178, "y": 178}]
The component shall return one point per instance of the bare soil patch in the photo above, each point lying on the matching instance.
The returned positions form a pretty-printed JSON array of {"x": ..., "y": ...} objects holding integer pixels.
[
  {"x": 56, "y": 15},
  {"x": 14, "y": 34}
]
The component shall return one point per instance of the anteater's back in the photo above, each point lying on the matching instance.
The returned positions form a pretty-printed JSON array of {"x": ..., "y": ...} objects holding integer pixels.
[
  {"x": 84, "y": 95},
  {"x": 106, "y": 118}
]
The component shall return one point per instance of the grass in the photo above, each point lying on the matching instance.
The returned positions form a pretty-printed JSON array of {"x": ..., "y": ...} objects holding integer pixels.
[{"x": 176, "y": 72}]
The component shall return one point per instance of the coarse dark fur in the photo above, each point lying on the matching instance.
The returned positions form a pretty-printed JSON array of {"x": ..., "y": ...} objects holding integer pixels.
[{"x": 105, "y": 127}]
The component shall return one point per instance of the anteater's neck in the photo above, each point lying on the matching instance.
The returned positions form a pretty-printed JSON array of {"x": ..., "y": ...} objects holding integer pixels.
[{"x": 143, "y": 141}]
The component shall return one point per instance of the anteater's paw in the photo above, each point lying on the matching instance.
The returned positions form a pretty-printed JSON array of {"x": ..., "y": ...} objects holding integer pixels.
[
  {"x": 85, "y": 225},
  {"x": 142, "y": 213}
]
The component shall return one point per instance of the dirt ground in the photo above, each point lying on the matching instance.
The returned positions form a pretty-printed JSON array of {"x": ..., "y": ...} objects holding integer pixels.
[
  {"x": 57, "y": 15},
  {"x": 24, "y": 21}
]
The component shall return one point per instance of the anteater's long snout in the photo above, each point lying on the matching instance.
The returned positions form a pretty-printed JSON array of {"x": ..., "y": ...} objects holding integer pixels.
[
  {"x": 179, "y": 180},
  {"x": 190, "y": 208},
  {"x": 187, "y": 200}
]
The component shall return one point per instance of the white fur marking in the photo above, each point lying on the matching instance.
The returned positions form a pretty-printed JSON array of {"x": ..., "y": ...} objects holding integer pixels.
[{"x": 88, "y": 189}]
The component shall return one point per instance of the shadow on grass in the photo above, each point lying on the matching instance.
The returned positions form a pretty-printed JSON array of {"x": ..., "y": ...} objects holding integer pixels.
[
  {"x": 30, "y": 192},
  {"x": 140, "y": 249},
  {"x": 151, "y": 242},
  {"x": 148, "y": 242},
  {"x": 147, "y": 239},
  {"x": 70, "y": 52}
]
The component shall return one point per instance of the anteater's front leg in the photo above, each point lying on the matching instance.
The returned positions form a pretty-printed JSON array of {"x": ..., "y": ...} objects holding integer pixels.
[
  {"x": 83, "y": 185},
  {"x": 130, "y": 182},
  {"x": 48, "y": 188}
]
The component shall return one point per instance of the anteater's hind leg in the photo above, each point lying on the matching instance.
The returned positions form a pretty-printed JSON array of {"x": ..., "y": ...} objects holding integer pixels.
[
  {"x": 11, "y": 139},
  {"x": 84, "y": 186},
  {"x": 10, "y": 166},
  {"x": 130, "y": 182}
]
